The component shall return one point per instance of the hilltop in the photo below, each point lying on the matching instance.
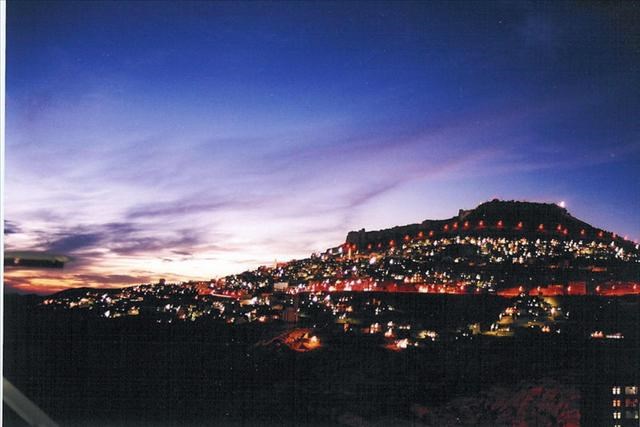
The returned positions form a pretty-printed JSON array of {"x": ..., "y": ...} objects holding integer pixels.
[
  {"x": 499, "y": 246},
  {"x": 493, "y": 218}
]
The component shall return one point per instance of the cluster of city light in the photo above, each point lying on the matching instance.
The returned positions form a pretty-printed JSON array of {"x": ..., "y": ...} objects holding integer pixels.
[
  {"x": 449, "y": 264},
  {"x": 529, "y": 312},
  {"x": 504, "y": 249},
  {"x": 162, "y": 302},
  {"x": 185, "y": 302},
  {"x": 459, "y": 264}
]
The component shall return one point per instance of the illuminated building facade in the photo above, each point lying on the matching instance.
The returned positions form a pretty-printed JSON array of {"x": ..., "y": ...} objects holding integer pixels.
[{"x": 624, "y": 406}]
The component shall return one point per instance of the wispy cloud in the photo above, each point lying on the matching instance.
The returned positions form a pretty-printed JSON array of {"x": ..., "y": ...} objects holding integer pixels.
[
  {"x": 74, "y": 242},
  {"x": 273, "y": 203},
  {"x": 271, "y": 151},
  {"x": 11, "y": 227}
]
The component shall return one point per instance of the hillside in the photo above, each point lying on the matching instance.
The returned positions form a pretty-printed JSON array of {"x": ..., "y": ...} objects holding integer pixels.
[{"x": 494, "y": 218}]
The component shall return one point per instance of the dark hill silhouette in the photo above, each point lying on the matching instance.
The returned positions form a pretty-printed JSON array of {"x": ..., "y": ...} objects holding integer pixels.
[
  {"x": 80, "y": 292},
  {"x": 494, "y": 218}
]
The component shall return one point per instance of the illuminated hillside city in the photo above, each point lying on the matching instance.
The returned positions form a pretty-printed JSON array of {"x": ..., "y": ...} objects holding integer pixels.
[
  {"x": 499, "y": 280},
  {"x": 511, "y": 259},
  {"x": 320, "y": 213}
]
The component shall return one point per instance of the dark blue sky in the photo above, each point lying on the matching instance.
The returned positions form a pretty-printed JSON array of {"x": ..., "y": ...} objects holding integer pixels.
[{"x": 203, "y": 131}]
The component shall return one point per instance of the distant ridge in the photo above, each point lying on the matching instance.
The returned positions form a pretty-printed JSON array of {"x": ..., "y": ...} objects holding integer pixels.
[
  {"x": 81, "y": 291},
  {"x": 493, "y": 218}
]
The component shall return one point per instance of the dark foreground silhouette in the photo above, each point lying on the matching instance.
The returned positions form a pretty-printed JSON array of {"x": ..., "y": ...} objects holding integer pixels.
[{"x": 131, "y": 371}]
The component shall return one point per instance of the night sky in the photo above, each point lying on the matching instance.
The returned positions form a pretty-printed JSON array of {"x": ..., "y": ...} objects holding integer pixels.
[{"x": 192, "y": 140}]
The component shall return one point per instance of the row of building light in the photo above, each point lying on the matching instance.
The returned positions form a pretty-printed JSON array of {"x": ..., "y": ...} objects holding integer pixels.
[{"x": 453, "y": 227}]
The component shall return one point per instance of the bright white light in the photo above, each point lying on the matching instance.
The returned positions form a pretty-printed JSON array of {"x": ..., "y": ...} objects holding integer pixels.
[{"x": 562, "y": 204}]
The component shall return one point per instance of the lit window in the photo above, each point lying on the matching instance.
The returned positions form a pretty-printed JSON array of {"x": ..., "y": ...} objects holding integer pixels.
[
  {"x": 617, "y": 415},
  {"x": 631, "y": 403},
  {"x": 616, "y": 403},
  {"x": 615, "y": 390},
  {"x": 631, "y": 390},
  {"x": 631, "y": 415}
]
